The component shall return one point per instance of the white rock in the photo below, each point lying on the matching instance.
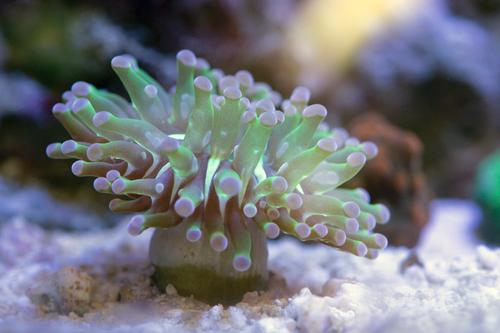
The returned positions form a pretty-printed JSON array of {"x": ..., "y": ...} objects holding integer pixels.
[{"x": 487, "y": 258}]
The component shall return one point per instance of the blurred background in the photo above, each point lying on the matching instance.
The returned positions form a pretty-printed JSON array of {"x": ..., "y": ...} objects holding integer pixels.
[{"x": 421, "y": 78}]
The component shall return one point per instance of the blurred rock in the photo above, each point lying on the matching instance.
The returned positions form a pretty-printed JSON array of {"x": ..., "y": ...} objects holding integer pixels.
[
  {"x": 22, "y": 243},
  {"x": 71, "y": 42},
  {"x": 74, "y": 287},
  {"x": 35, "y": 205},
  {"x": 394, "y": 177},
  {"x": 435, "y": 74},
  {"x": 19, "y": 94}
]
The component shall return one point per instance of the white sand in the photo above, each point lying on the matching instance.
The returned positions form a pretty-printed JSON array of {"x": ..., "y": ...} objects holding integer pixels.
[{"x": 314, "y": 288}]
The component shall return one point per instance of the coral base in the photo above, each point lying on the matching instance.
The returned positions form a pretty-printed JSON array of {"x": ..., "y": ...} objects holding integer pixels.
[
  {"x": 195, "y": 269},
  {"x": 216, "y": 289}
]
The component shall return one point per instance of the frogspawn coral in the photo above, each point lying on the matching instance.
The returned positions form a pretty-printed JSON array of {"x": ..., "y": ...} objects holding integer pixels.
[{"x": 216, "y": 168}]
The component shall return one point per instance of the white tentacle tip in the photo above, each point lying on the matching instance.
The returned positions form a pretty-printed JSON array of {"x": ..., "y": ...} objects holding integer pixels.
[
  {"x": 361, "y": 249},
  {"x": 228, "y": 81},
  {"x": 250, "y": 210},
  {"x": 112, "y": 175},
  {"x": 300, "y": 95},
  {"x": 81, "y": 89},
  {"x": 218, "y": 101},
  {"x": 351, "y": 225},
  {"x": 79, "y": 104},
  {"x": 279, "y": 184},
  {"x": 242, "y": 263},
  {"x": 302, "y": 230},
  {"x": 340, "y": 237},
  {"x": 272, "y": 230},
  {"x": 51, "y": 149},
  {"x": 218, "y": 242},
  {"x": 184, "y": 207},
  {"x": 245, "y": 78},
  {"x": 294, "y": 201},
  {"x": 202, "y": 64},
  {"x": 94, "y": 152},
  {"x": 101, "y": 184},
  {"x": 276, "y": 97},
  {"x": 69, "y": 146},
  {"x": 114, "y": 204},
  {"x": 193, "y": 235},
  {"x": 203, "y": 83},
  {"x": 77, "y": 168},
  {"x": 352, "y": 141},
  {"x": 320, "y": 229},
  {"x": 356, "y": 159},
  {"x": 134, "y": 227},
  {"x": 380, "y": 240},
  {"x": 169, "y": 144},
  {"x": 118, "y": 186},
  {"x": 365, "y": 196},
  {"x": 101, "y": 118},
  {"x": 265, "y": 105},
  {"x": 370, "y": 149},
  {"x": 59, "y": 108},
  {"x": 328, "y": 144},
  {"x": 218, "y": 74},
  {"x": 315, "y": 110},
  {"x": 370, "y": 221},
  {"x": 268, "y": 118},
  {"x": 68, "y": 96},
  {"x": 122, "y": 61},
  {"x": 323, "y": 127},
  {"x": 351, "y": 209},
  {"x": 248, "y": 116},
  {"x": 230, "y": 185},
  {"x": 232, "y": 93},
  {"x": 187, "y": 58},
  {"x": 384, "y": 214}
]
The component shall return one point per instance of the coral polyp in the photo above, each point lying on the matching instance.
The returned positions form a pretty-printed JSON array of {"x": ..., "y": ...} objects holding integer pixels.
[{"x": 217, "y": 164}]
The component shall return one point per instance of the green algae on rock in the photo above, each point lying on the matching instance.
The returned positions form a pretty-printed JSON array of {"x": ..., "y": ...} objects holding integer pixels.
[{"x": 217, "y": 168}]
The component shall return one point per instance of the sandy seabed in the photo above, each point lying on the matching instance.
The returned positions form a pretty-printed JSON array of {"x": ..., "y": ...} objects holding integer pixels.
[{"x": 99, "y": 282}]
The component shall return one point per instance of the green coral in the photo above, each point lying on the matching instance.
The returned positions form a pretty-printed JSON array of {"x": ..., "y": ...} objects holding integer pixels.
[
  {"x": 488, "y": 196},
  {"x": 218, "y": 165}
]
